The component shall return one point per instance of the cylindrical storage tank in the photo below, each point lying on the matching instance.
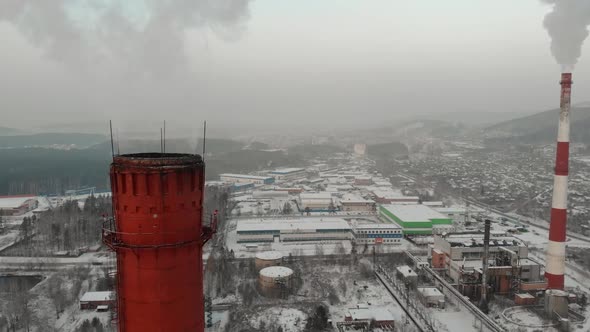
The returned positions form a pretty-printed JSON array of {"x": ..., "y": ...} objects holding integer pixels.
[
  {"x": 273, "y": 281},
  {"x": 268, "y": 258},
  {"x": 158, "y": 199},
  {"x": 556, "y": 303}
]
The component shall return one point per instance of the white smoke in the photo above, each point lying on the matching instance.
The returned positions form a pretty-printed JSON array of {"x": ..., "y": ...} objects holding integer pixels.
[
  {"x": 141, "y": 36},
  {"x": 567, "y": 25}
]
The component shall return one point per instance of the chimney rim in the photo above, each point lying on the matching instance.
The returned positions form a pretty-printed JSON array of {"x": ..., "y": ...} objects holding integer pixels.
[{"x": 157, "y": 159}]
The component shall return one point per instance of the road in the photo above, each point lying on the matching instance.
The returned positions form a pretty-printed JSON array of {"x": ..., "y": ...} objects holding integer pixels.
[{"x": 12, "y": 263}]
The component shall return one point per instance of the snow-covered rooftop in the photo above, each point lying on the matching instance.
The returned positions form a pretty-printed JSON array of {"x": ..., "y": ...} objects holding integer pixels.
[
  {"x": 287, "y": 170},
  {"x": 429, "y": 291},
  {"x": 9, "y": 202},
  {"x": 385, "y": 192},
  {"x": 321, "y": 195},
  {"x": 276, "y": 272},
  {"x": 378, "y": 226},
  {"x": 378, "y": 314},
  {"x": 244, "y": 176},
  {"x": 476, "y": 240},
  {"x": 292, "y": 225},
  {"x": 97, "y": 296},
  {"x": 355, "y": 199},
  {"x": 406, "y": 271},
  {"x": 434, "y": 203},
  {"x": 269, "y": 255},
  {"x": 413, "y": 212}
]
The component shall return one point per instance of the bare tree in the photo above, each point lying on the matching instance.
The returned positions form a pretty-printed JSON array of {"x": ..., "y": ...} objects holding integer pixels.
[
  {"x": 56, "y": 293},
  {"x": 319, "y": 250},
  {"x": 342, "y": 285},
  {"x": 16, "y": 308},
  {"x": 287, "y": 209}
]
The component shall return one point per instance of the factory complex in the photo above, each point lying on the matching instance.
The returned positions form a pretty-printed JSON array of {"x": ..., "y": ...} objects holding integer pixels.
[{"x": 414, "y": 218}]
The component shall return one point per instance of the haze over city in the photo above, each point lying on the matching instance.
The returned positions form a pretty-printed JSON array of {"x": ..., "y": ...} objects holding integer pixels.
[
  {"x": 294, "y": 166},
  {"x": 240, "y": 63}
]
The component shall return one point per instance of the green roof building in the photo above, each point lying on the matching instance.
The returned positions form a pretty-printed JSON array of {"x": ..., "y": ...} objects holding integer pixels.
[{"x": 414, "y": 219}]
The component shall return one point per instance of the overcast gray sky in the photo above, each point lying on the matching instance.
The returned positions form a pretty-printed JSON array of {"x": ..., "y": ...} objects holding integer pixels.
[{"x": 235, "y": 63}]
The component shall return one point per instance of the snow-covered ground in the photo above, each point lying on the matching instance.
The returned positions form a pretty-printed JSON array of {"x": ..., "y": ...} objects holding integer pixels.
[
  {"x": 8, "y": 238},
  {"x": 290, "y": 319},
  {"x": 453, "y": 318}
]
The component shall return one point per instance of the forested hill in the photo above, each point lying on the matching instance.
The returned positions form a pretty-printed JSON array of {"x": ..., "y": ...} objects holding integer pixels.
[
  {"x": 51, "y": 139},
  {"x": 52, "y": 171},
  {"x": 42, "y": 170},
  {"x": 9, "y": 131},
  {"x": 542, "y": 127}
]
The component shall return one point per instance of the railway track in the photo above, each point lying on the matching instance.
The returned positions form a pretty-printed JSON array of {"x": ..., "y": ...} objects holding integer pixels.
[
  {"x": 487, "y": 321},
  {"x": 414, "y": 320}
]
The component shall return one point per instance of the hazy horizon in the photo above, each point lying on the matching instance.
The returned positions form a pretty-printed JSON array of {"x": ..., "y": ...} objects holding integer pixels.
[{"x": 257, "y": 63}]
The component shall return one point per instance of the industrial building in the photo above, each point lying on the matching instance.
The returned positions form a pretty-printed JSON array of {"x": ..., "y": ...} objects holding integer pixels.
[
  {"x": 293, "y": 230},
  {"x": 357, "y": 203},
  {"x": 510, "y": 269},
  {"x": 431, "y": 297},
  {"x": 97, "y": 300},
  {"x": 288, "y": 173},
  {"x": 414, "y": 219},
  {"x": 238, "y": 187},
  {"x": 406, "y": 274},
  {"x": 269, "y": 194},
  {"x": 363, "y": 180},
  {"x": 524, "y": 299},
  {"x": 434, "y": 204},
  {"x": 241, "y": 178},
  {"x": 377, "y": 234},
  {"x": 364, "y": 315},
  {"x": 316, "y": 202},
  {"x": 17, "y": 205},
  {"x": 469, "y": 246},
  {"x": 393, "y": 197}
]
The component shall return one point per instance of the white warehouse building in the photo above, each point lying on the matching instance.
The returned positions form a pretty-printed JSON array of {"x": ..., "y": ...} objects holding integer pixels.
[
  {"x": 378, "y": 234},
  {"x": 288, "y": 173},
  {"x": 293, "y": 230},
  {"x": 243, "y": 178},
  {"x": 316, "y": 201}
]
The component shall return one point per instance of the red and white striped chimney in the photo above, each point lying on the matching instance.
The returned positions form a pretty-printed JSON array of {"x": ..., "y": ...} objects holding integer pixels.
[{"x": 555, "y": 261}]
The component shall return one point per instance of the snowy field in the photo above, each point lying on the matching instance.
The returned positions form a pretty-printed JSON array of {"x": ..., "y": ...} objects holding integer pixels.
[
  {"x": 290, "y": 319},
  {"x": 339, "y": 284}
]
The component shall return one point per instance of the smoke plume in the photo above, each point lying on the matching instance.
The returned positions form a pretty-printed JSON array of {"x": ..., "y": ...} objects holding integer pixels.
[
  {"x": 567, "y": 25},
  {"x": 142, "y": 36}
]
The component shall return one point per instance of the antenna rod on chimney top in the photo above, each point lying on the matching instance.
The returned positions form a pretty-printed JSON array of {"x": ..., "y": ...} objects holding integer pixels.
[
  {"x": 118, "y": 147},
  {"x": 112, "y": 144},
  {"x": 164, "y": 138},
  {"x": 204, "y": 137}
]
